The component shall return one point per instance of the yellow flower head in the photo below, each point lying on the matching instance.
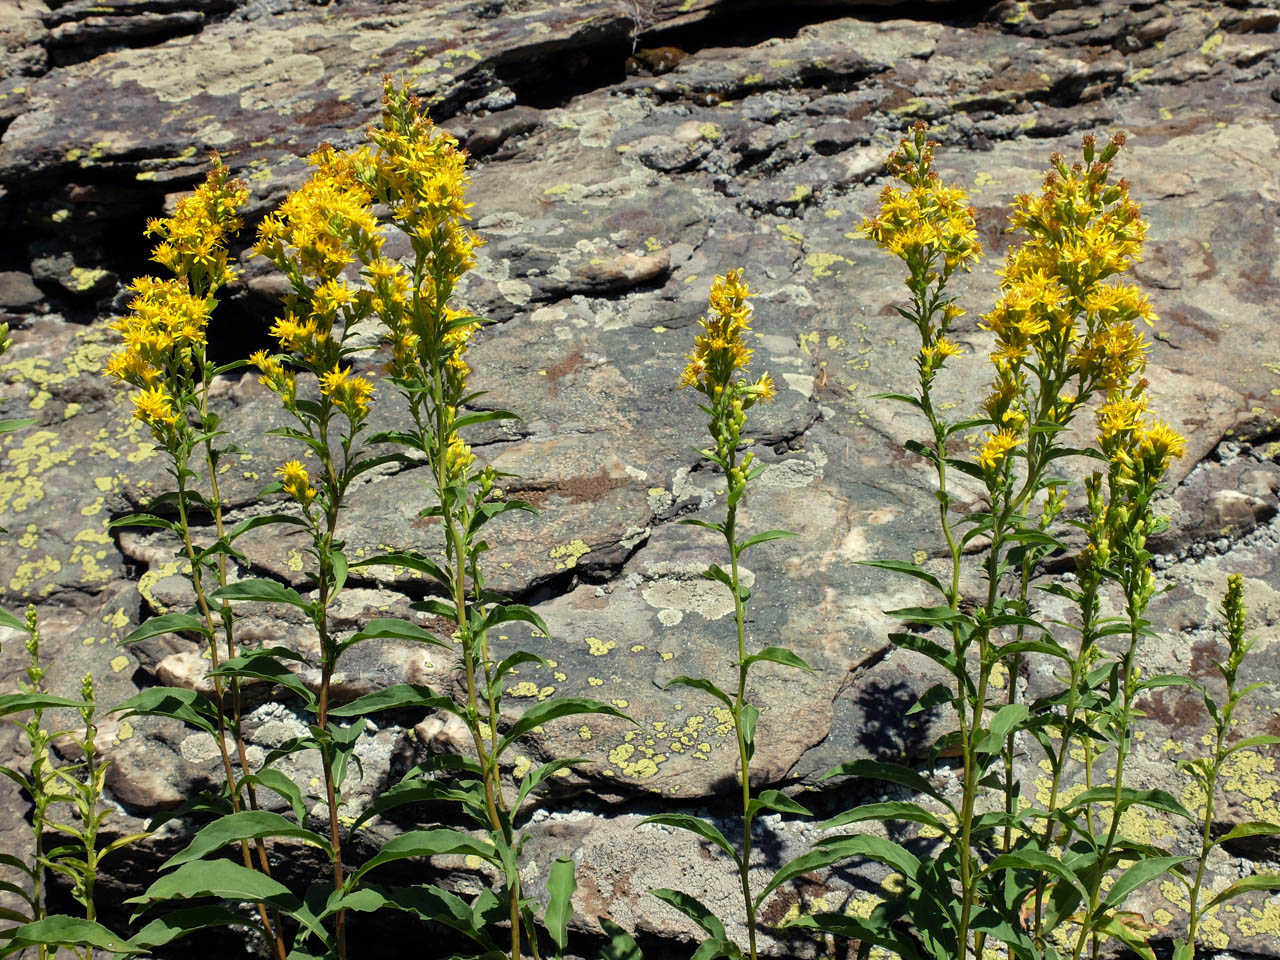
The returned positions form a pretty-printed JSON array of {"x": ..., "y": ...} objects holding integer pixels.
[
  {"x": 194, "y": 239},
  {"x": 154, "y": 407},
  {"x": 1157, "y": 444},
  {"x": 718, "y": 352},
  {"x": 296, "y": 482},
  {"x": 350, "y": 394},
  {"x": 996, "y": 449}
]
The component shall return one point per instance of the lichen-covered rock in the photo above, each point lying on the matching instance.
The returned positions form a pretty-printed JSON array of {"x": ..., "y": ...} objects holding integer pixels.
[{"x": 609, "y": 200}]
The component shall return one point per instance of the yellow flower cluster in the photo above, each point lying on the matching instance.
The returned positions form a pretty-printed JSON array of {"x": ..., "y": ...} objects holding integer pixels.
[
  {"x": 165, "y": 331},
  {"x": 322, "y": 228},
  {"x": 928, "y": 225},
  {"x": 350, "y": 394},
  {"x": 296, "y": 482},
  {"x": 194, "y": 239},
  {"x": 1059, "y": 312},
  {"x": 420, "y": 174},
  {"x": 718, "y": 352}
]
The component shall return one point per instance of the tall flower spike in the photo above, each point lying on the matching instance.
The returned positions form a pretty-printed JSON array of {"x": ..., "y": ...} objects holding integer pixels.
[{"x": 719, "y": 353}]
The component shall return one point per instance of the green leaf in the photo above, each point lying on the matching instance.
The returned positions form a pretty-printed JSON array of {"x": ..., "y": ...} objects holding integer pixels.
[
  {"x": 179, "y": 923},
  {"x": 703, "y": 684},
  {"x": 1136, "y": 876},
  {"x": 865, "y": 931},
  {"x": 245, "y": 825},
  {"x": 695, "y": 825},
  {"x": 406, "y": 792},
  {"x": 189, "y": 706},
  {"x": 252, "y": 523},
  {"x": 694, "y": 909},
  {"x": 168, "y": 623},
  {"x": 7, "y": 619},
  {"x": 142, "y": 520},
  {"x": 225, "y": 879},
  {"x": 774, "y": 800},
  {"x": 899, "y": 398},
  {"x": 1038, "y": 860},
  {"x": 387, "y": 628},
  {"x": 426, "y": 843},
  {"x": 891, "y": 810},
  {"x": 1005, "y": 721},
  {"x": 281, "y": 784},
  {"x": 717, "y": 572},
  {"x": 17, "y": 702},
  {"x": 411, "y": 560},
  {"x": 1253, "y": 828},
  {"x": 779, "y": 655},
  {"x": 705, "y": 524},
  {"x": 935, "y": 696},
  {"x": 1156, "y": 799},
  {"x": 508, "y": 663},
  {"x": 764, "y": 537},
  {"x": 750, "y": 716},
  {"x": 338, "y": 560},
  {"x": 262, "y": 665},
  {"x": 483, "y": 416},
  {"x": 260, "y": 591},
  {"x": 1246, "y": 885},
  {"x": 511, "y": 613},
  {"x": 63, "y": 931},
  {"x": 890, "y": 772},
  {"x": 715, "y": 948},
  {"x": 553, "y": 710},
  {"x": 1249, "y": 742},
  {"x": 535, "y": 777},
  {"x": 1115, "y": 928},
  {"x": 903, "y": 566},
  {"x": 621, "y": 945},
  {"x": 560, "y": 884},
  {"x": 20, "y": 423},
  {"x": 838, "y": 849},
  {"x": 402, "y": 696}
]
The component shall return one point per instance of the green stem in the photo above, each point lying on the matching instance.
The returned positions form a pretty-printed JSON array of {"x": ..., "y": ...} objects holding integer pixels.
[{"x": 744, "y": 758}]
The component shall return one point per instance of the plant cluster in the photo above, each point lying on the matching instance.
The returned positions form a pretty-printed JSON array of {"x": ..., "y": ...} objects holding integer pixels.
[{"x": 1042, "y": 882}]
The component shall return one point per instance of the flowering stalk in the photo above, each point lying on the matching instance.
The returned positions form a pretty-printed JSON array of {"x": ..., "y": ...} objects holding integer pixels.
[
  {"x": 319, "y": 230},
  {"x": 165, "y": 358},
  {"x": 717, "y": 368}
]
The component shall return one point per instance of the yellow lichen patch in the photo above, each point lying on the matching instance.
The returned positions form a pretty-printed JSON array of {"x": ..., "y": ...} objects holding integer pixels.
[
  {"x": 594, "y": 681},
  {"x": 29, "y": 571},
  {"x": 638, "y": 763},
  {"x": 637, "y": 647},
  {"x": 568, "y": 554},
  {"x": 119, "y": 663},
  {"x": 597, "y": 647},
  {"x": 821, "y": 263},
  {"x": 37, "y": 453},
  {"x": 147, "y": 582},
  {"x": 522, "y": 766},
  {"x": 293, "y": 560},
  {"x": 584, "y": 732},
  {"x": 526, "y": 688},
  {"x": 791, "y": 233}
]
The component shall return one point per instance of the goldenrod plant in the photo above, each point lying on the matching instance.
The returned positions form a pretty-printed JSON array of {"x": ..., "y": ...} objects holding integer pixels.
[
  {"x": 47, "y": 784},
  {"x": 1038, "y": 881},
  {"x": 165, "y": 359},
  {"x": 324, "y": 228},
  {"x": 718, "y": 369},
  {"x": 1207, "y": 772}
]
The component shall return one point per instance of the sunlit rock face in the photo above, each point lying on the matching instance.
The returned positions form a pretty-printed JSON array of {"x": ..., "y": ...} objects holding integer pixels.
[{"x": 624, "y": 154}]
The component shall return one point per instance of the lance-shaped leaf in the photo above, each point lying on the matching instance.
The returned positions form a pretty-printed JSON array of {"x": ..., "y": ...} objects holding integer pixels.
[
  {"x": 7, "y": 619},
  {"x": 142, "y": 520},
  {"x": 245, "y": 825},
  {"x": 510, "y": 613},
  {"x": 535, "y": 777},
  {"x": 389, "y": 628},
  {"x": 694, "y": 909},
  {"x": 411, "y": 560},
  {"x": 891, "y": 772},
  {"x": 179, "y": 923},
  {"x": 890, "y": 810},
  {"x": 1253, "y": 828},
  {"x": 63, "y": 931},
  {"x": 189, "y": 706},
  {"x": 1041, "y": 862},
  {"x": 905, "y": 567},
  {"x": 1136, "y": 876},
  {"x": 764, "y": 537},
  {"x": 1006, "y": 719},
  {"x": 263, "y": 665},
  {"x": 695, "y": 825},
  {"x": 1245, "y": 885},
  {"x": 553, "y": 710},
  {"x": 1156, "y": 799},
  {"x": 777, "y": 801},
  {"x": 260, "y": 591},
  {"x": 219, "y": 878},
  {"x": 852, "y": 928},
  {"x": 560, "y": 884},
  {"x": 837, "y": 849},
  {"x": 281, "y": 784},
  {"x": 703, "y": 684},
  {"x": 168, "y": 623},
  {"x": 17, "y": 702},
  {"x": 621, "y": 945},
  {"x": 426, "y": 843},
  {"x": 402, "y": 696},
  {"x": 779, "y": 655}
]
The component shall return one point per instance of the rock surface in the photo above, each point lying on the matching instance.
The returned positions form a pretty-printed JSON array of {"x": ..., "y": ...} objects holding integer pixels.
[{"x": 610, "y": 196}]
